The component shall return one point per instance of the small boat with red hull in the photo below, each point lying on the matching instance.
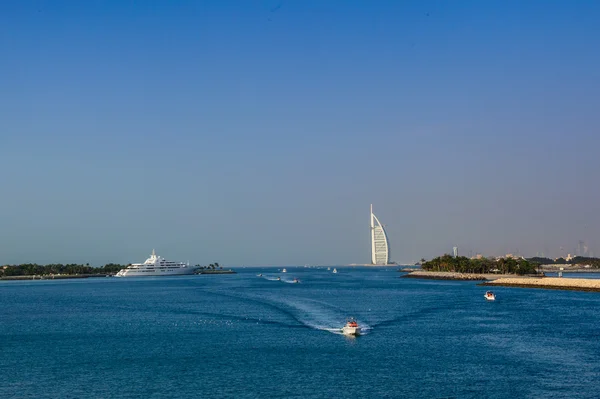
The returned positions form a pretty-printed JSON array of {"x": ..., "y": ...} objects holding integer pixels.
[{"x": 351, "y": 327}]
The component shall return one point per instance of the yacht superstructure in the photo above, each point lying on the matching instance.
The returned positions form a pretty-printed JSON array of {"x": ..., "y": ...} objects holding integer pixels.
[{"x": 156, "y": 266}]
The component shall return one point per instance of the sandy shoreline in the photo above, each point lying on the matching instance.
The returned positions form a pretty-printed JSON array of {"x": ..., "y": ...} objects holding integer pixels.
[{"x": 556, "y": 283}]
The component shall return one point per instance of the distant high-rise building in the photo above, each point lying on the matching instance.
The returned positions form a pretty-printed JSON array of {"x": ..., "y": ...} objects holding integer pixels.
[
  {"x": 580, "y": 248},
  {"x": 455, "y": 251},
  {"x": 380, "y": 249}
]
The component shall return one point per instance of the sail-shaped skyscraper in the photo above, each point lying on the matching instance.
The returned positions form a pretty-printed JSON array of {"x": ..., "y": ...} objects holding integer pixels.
[{"x": 380, "y": 249}]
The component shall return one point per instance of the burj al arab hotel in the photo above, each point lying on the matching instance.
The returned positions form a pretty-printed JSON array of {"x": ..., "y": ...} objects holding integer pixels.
[{"x": 380, "y": 248}]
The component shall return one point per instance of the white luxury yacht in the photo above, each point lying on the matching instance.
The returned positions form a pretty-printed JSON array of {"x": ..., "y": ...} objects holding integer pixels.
[{"x": 156, "y": 266}]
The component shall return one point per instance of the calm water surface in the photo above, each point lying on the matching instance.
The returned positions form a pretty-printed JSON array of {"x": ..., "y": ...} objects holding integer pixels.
[{"x": 246, "y": 336}]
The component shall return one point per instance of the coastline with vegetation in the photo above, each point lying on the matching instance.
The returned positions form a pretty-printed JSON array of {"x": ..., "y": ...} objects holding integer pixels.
[
  {"x": 509, "y": 272},
  {"x": 213, "y": 268},
  {"x": 57, "y": 271},
  {"x": 32, "y": 271},
  {"x": 576, "y": 262},
  {"x": 449, "y": 267},
  {"x": 429, "y": 275}
]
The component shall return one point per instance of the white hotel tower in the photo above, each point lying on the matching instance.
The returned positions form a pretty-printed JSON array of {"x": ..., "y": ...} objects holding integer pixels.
[{"x": 380, "y": 249}]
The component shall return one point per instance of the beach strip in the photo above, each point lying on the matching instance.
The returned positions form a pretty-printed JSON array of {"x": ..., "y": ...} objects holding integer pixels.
[{"x": 555, "y": 283}]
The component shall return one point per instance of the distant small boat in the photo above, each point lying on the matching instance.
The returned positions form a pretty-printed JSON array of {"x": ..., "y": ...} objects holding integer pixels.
[
  {"x": 329, "y": 268},
  {"x": 334, "y": 270},
  {"x": 295, "y": 280},
  {"x": 278, "y": 278},
  {"x": 259, "y": 275},
  {"x": 490, "y": 296},
  {"x": 284, "y": 271},
  {"x": 351, "y": 327}
]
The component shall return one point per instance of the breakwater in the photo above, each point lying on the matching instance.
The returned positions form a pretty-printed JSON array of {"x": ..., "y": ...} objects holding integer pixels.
[
  {"x": 556, "y": 283},
  {"x": 216, "y": 272},
  {"x": 451, "y": 276}
]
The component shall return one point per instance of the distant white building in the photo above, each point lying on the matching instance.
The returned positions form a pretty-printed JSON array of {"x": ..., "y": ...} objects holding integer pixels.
[
  {"x": 380, "y": 248},
  {"x": 510, "y": 256}
]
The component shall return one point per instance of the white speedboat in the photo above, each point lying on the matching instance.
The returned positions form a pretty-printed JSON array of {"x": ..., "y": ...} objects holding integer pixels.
[
  {"x": 490, "y": 296},
  {"x": 351, "y": 327},
  {"x": 295, "y": 281},
  {"x": 284, "y": 271},
  {"x": 278, "y": 278},
  {"x": 157, "y": 266},
  {"x": 259, "y": 275},
  {"x": 334, "y": 271}
]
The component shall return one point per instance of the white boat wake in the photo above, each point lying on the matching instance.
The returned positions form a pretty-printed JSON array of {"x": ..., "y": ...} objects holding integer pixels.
[
  {"x": 309, "y": 313},
  {"x": 271, "y": 278},
  {"x": 319, "y": 316}
]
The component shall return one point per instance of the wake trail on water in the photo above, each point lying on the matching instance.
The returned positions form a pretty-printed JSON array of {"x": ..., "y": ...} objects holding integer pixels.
[
  {"x": 318, "y": 316},
  {"x": 270, "y": 278},
  {"x": 309, "y": 313}
]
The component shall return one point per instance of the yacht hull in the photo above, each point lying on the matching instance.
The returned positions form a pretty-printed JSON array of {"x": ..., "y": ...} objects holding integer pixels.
[{"x": 149, "y": 273}]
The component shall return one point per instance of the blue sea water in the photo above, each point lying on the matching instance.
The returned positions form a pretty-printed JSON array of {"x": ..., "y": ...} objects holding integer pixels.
[{"x": 244, "y": 336}]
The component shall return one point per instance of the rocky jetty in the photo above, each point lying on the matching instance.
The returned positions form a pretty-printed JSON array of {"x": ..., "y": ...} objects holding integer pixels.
[
  {"x": 556, "y": 283},
  {"x": 451, "y": 276}
]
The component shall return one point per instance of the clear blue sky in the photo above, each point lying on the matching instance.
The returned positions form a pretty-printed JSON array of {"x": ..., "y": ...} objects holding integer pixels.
[{"x": 258, "y": 132}]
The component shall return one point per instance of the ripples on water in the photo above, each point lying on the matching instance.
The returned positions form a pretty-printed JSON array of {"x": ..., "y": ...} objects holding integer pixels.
[{"x": 248, "y": 336}]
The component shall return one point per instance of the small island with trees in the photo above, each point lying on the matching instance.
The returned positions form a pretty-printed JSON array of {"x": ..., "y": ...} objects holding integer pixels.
[
  {"x": 213, "y": 268},
  {"x": 448, "y": 267},
  {"x": 510, "y": 271}
]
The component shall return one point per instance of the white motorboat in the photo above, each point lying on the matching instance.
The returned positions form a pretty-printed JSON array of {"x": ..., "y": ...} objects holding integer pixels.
[
  {"x": 295, "y": 281},
  {"x": 284, "y": 271},
  {"x": 490, "y": 296},
  {"x": 334, "y": 271},
  {"x": 157, "y": 266},
  {"x": 259, "y": 275},
  {"x": 351, "y": 327}
]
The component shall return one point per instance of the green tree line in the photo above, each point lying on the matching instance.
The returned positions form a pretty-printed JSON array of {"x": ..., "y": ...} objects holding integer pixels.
[
  {"x": 212, "y": 266},
  {"x": 30, "y": 269},
  {"x": 462, "y": 264},
  {"x": 578, "y": 260}
]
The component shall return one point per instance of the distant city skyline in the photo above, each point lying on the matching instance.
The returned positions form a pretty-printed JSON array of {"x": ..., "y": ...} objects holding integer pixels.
[{"x": 251, "y": 133}]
